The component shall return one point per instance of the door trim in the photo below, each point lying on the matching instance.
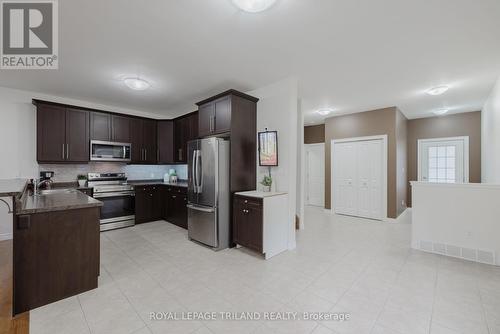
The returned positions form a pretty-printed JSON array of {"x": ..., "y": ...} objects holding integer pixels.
[
  {"x": 465, "y": 139},
  {"x": 306, "y": 151},
  {"x": 384, "y": 139}
]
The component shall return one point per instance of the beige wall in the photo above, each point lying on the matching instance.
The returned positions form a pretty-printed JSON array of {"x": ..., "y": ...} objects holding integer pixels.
[
  {"x": 372, "y": 123},
  {"x": 466, "y": 124},
  {"x": 401, "y": 161},
  {"x": 314, "y": 134}
]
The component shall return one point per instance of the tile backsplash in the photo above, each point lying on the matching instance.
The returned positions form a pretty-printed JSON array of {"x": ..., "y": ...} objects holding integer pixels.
[{"x": 68, "y": 173}]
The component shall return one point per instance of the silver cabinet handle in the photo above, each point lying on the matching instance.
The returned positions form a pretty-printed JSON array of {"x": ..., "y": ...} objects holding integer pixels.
[
  {"x": 63, "y": 152},
  {"x": 67, "y": 151},
  {"x": 145, "y": 154}
]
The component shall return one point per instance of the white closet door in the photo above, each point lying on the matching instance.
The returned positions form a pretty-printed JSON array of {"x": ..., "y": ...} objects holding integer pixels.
[
  {"x": 358, "y": 178},
  {"x": 345, "y": 193}
]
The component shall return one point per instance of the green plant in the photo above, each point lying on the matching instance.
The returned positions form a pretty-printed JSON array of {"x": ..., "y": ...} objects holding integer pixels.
[
  {"x": 81, "y": 177},
  {"x": 267, "y": 181}
]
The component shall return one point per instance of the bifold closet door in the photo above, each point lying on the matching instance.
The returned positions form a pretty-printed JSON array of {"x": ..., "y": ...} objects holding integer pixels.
[
  {"x": 344, "y": 170},
  {"x": 369, "y": 180},
  {"x": 357, "y": 181}
]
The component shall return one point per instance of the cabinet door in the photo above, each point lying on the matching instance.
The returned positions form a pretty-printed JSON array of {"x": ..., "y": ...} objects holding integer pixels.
[
  {"x": 239, "y": 222},
  {"x": 157, "y": 203},
  {"x": 149, "y": 140},
  {"x": 180, "y": 140},
  {"x": 181, "y": 210},
  {"x": 171, "y": 207},
  {"x": 100, "y": 126},
  {"x": 193, "y": 126},
  {"x": 166, "y": 142},
  {"x": 206, "y": 114},
  {"x": 254, "y": 227},
  {"x": 136, "y": 151},
  {"x": 223, "y": 115},
  {"x": 143, "y": 205},
  {"x": 77, "y": 135},
  {"x": 120, "y": 129},
  {"x": 51, "y": 133}
]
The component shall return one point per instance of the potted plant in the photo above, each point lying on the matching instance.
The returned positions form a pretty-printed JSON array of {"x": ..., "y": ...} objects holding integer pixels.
[
  {"x": 267, "y": 182},
  {"x": 82, "y": 179}
]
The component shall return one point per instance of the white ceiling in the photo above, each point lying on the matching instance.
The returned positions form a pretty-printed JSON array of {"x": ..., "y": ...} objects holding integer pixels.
[{"x": 351, "y": 55}]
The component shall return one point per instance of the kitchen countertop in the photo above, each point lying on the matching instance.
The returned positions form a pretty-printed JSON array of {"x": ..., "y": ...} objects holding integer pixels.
[
  {"x": 56, "y": 202},
  {"x": 180, "y": 183},
  {"x": 12, "y": 187},
  {"x": 260, "y": 194}
]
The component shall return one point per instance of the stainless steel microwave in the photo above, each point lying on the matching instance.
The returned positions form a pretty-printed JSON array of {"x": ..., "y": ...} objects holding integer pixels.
[{"x": 109, "y": 151}]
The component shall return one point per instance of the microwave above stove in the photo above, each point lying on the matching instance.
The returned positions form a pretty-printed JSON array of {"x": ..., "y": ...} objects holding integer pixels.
[{"x": 109, "y": 151}]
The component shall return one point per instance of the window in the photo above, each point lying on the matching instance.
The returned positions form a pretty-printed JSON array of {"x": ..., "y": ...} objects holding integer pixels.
[{"x": 443, "y": 160}]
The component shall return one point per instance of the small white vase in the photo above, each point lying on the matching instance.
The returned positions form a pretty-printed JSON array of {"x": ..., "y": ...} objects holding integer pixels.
[
  {"x": 81, "y": 183},
  {"x": 266, "y": 189}
]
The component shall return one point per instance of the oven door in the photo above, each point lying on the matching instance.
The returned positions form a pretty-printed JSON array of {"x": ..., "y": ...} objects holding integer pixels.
[
  {"x": 109, "y": 151},
  {"x": 118, "y": 209}
]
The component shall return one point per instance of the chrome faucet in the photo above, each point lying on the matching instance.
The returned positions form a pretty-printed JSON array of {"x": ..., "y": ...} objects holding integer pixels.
[{"x": 46, "y": 182}]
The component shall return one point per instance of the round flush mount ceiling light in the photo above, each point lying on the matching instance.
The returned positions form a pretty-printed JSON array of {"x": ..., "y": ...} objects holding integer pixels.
[
  {"x": 253, "y": 6},
  {"x": 325, "y": 111},
  {"x": 440, "y": 112},
  {"x": 439, "y": 90},
  {"x": 136, "y": 83}
]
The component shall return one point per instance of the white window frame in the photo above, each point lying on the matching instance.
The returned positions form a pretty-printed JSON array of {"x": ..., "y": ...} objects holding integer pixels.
[{"x": 465, "y": 139}]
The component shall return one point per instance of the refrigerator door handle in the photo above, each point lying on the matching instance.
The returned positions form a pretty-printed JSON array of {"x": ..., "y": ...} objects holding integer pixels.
[
  {"x": 197, "y": 208},
  {"x": 193, "y": 173},
  {"x": 199, "y": 170}
]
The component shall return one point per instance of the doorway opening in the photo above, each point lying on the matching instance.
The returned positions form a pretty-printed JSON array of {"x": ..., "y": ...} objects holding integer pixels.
[{"x": 315, "y": 174}]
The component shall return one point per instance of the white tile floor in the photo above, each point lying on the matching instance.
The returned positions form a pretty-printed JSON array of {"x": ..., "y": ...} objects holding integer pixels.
[{"x": 341, "y": 264}]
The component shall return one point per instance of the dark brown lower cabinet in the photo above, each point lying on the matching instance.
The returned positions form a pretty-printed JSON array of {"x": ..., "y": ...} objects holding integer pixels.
[
  {"x": 56, "y": 256},
  {"x": 248, "y": 222},
  {"x": 148, "y": 204},
  {"x": 175, "y": 206}
]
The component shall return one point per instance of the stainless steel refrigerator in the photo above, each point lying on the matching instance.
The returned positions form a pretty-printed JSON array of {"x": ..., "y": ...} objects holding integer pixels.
[{"x": 208, "y": 192}]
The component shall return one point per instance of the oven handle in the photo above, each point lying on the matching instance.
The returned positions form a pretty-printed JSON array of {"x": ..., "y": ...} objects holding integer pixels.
[{"x": 117, "y": 194}]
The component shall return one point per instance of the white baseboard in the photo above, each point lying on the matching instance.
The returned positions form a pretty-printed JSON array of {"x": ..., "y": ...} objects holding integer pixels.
[
  {"x": 401, "y": 218},
  {"x": 329, "y": 211},
  {"x": 5, "y": 236}
]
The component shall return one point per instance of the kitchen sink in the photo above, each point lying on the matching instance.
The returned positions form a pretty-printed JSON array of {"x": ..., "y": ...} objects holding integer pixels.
[{"x": 55, "y": 191}]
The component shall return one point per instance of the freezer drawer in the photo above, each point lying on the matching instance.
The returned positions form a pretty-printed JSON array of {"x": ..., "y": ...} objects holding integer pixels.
[{"x": 202, "y": 225}]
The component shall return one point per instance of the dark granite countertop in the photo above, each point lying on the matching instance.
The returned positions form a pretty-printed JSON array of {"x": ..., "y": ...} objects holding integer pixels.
[
  {"x": 60, "y": 201},
  {"x": 180, "y": 183},
  {"x": 12, "y": 187}
]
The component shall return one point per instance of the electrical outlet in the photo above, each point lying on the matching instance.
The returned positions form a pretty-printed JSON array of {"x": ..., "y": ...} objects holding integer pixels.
[{"x": 403, "y": 203}]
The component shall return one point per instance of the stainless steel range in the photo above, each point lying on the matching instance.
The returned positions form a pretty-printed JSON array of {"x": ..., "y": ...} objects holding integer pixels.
[{"x": 118, "y": 197}]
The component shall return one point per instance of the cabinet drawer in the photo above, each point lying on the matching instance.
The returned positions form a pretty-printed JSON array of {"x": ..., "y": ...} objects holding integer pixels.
[
  {"x": 176, "y": 190},
  {"x": 245, "y": 201}
]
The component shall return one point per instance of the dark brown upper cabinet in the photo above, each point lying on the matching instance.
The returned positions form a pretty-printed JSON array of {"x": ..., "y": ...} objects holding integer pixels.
[
  {"x": 100, "y": 126},
  {"x": 120, "y": 129},
  {"x": 233, "y": 114},
  {"x": 77, "y": 135},
  {"x": 215, "y": 113},
  {"x": 144, "y": 141},
  {"x": 165, "y": 142},
  {"x": 185, "y": 129},
  {"x": 62, "y": 134},
  {"x": 149, "y": 141}
]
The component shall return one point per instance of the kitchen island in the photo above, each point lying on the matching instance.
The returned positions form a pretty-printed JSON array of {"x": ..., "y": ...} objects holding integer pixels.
[{"x": 56, "y": 244}]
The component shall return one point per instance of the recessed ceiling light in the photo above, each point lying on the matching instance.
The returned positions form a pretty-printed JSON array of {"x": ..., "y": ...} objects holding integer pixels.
[
  {"x": 440, "y": 112},
  {"x": 325, "y": 111},
  {"x": 438, "y": 90},
  {"x": 136, "y": 83},
  {"x": 253, "y": 6}
]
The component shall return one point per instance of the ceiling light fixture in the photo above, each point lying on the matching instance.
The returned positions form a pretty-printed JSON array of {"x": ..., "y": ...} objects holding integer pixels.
[
  {"x": 253, "y": 6},
  {"x": 439, "y": 90},
  {"x": 136, "y": 83},
  {"x": 440, "y": 112},
  {"x": 325, "y": 111}
]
